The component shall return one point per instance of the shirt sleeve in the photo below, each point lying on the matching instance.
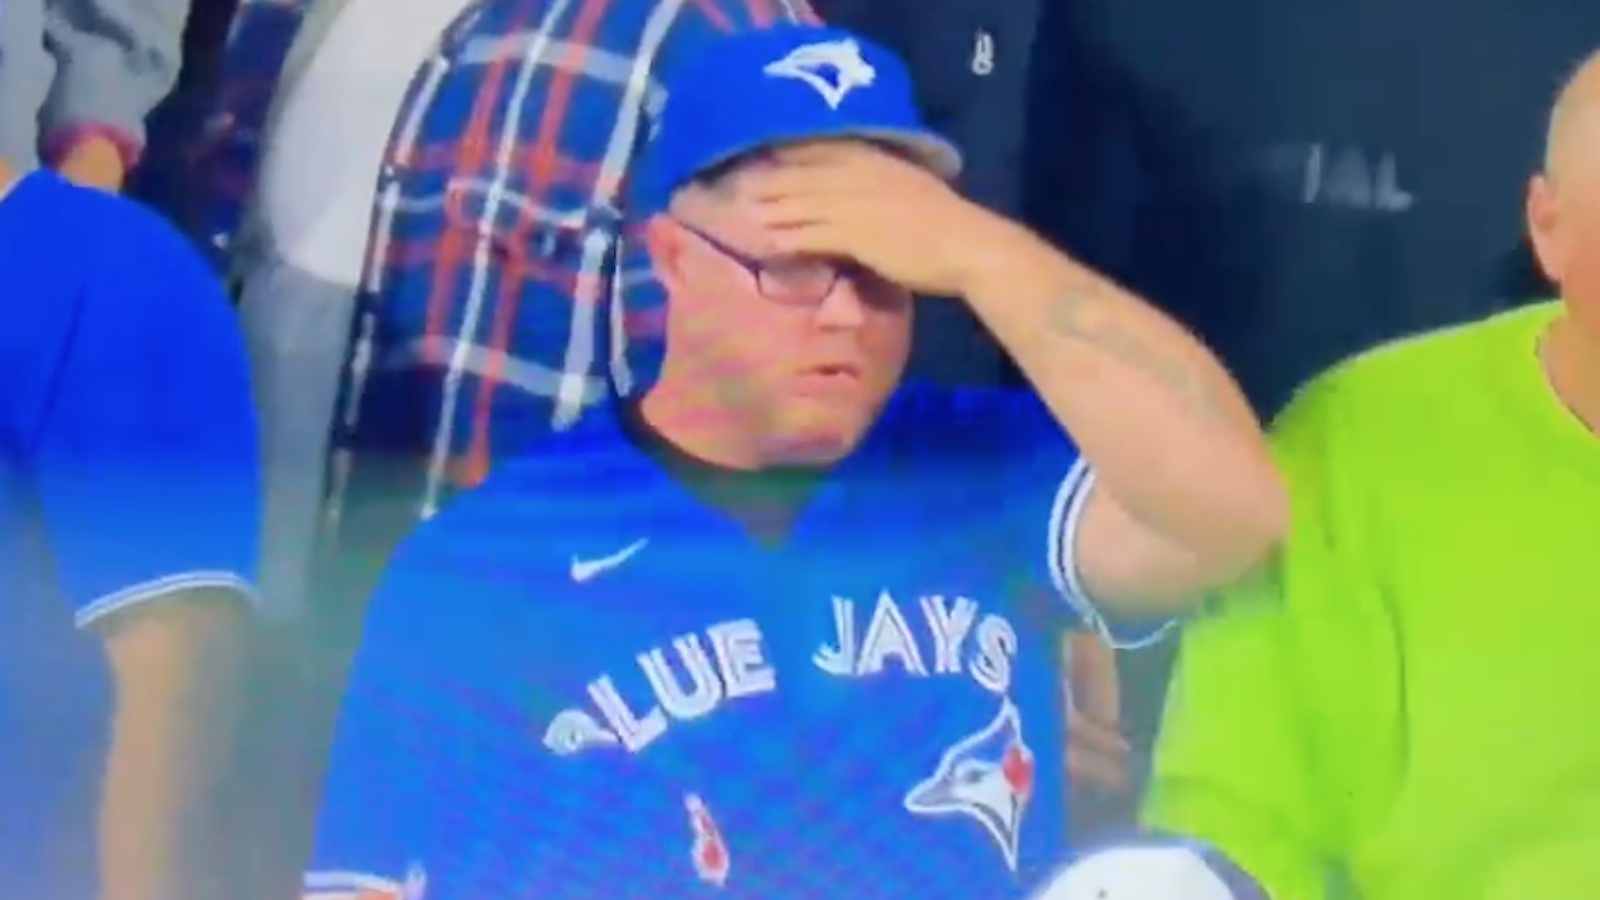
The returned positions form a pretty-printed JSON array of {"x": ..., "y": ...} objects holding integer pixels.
[
  {"x": 1281, "y": 738},
  {"x": 115, "y": 61},
  {"x": 1044, "y": 484},
  {"x": 145, "y": 459},
  {"x": 467, "y": 757}
]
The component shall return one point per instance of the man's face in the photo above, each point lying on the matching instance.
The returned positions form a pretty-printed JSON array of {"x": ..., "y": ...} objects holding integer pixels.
[{"x": 805, "y": 359}]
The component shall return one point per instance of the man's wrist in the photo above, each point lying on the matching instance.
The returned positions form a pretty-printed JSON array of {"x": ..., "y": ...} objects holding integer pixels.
[
  {"x": 997, "y": 254},
  {"x": 106, "y": 139}
]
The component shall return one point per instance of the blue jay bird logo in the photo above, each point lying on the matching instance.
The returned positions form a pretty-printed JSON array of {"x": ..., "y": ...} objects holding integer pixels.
[
  {"x": 987, "y": 776},
  {"x": 832, "y": 69}
]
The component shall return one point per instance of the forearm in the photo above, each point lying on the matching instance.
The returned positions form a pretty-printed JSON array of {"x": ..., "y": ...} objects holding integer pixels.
[
  {"x": 149, "y": 801},
  {"x": 169, "y": 753},
  {"x": 1167, "y": 430}
]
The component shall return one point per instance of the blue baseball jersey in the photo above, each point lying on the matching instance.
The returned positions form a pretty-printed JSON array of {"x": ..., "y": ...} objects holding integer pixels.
[
  {"x": 581, "y": 681},
  {"x": 127, "y": 472}
]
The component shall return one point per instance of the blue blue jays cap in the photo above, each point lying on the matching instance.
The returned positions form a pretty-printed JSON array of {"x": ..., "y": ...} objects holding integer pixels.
[{"x": 777, "y": 86}]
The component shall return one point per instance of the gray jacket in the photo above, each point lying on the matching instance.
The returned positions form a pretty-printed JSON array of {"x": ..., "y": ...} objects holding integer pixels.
[{"x": 66, "y": 64}]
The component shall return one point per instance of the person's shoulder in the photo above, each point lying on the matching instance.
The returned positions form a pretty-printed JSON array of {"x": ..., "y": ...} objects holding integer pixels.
[
  {"x": 504, "y": 557},
  {"x": 136, "y": 259},
  {"x": 983, "y": 425},
  {"x": 133, "y": 232},
  {"x": 965, "y": 448},
  {"x": 1418, "y": 369},
  {"x": 533, "y": 511},
  {"x": 933, "y": 407},
  {"x": 90, "y": 271},
  {"x": 1405, "y": 389},
  {"x": 1444, "y": 349},
  {"x": 97, "y": 210}
]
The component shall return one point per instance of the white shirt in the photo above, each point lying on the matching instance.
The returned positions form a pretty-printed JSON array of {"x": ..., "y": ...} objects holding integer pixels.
[{"x": 320, "y": 171}]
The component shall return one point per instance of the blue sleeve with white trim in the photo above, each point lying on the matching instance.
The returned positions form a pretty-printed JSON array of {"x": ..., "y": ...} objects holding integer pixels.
[
  {"x": 145, "y": 460},
  {"x": 1044, "y": 484}
]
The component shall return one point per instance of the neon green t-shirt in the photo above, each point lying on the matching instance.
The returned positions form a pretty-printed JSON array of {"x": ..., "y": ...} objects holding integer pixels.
[{"x": 1407, "y": 707}]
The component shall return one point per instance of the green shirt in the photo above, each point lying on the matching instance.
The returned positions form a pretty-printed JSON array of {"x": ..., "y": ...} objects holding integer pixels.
[{"x": 1407, "y": 707}]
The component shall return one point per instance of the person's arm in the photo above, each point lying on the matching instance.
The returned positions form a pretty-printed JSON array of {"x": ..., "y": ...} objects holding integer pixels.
[
  {"x": 145, "y": 465},
  {"x": 175, "y": 666},
  {"x": 1282, "y": 741},
  {"x": 1281, "y": 744},
  {"x": 1186, "y": 497},
  {"x": 1098, "y": 755},
  {"x": 115, "y": 61}
]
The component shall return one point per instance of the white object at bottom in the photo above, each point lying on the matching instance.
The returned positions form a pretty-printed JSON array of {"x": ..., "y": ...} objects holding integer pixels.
[{"x": 1138, "y": 873}]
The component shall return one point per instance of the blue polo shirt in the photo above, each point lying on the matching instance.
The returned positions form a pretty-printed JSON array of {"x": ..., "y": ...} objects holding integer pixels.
[
  {"x": 582, "y": 681},
  {"x": 127, "y": 473}
]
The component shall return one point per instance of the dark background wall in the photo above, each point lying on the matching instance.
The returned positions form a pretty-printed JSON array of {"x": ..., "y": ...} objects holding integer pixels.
[{"x": 1299, "y": 181}]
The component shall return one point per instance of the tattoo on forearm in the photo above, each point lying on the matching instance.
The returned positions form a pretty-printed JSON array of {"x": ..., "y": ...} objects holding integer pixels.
[{"x": 1075, "y": 317}]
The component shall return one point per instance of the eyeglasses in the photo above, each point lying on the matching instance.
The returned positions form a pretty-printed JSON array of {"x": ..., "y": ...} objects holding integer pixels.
[{"x": 791, "y": 281}]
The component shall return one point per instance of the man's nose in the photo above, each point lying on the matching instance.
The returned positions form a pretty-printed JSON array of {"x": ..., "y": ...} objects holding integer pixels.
[{"x": 842, "y": 308}]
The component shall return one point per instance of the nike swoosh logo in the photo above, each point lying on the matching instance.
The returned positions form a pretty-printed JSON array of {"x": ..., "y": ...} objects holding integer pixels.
[{"x": 586, "y": 569}]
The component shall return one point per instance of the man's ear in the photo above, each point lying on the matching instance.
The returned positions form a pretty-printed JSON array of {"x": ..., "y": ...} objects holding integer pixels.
[
  {"x": 1546, "y": 231},
  {"x": 664, "y": 241}
]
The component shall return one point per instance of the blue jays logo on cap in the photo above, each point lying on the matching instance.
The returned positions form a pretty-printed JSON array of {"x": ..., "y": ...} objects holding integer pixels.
[
  {"x": 987, "y": 776},
  {"x": 783, "y": 85},
  {"x": 834, "y": 68}
]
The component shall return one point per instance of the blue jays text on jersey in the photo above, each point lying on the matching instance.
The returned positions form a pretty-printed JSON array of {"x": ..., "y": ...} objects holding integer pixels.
[
  {"x": 730, "y": 661},
  {"x": 127, "y": 473},
  {"x": 580, "y": 680}
]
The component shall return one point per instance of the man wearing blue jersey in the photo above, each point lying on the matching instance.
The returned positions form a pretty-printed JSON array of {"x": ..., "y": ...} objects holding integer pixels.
[
  {"x": 767, "y": 633},
  {"x": 127, "y": 532}
]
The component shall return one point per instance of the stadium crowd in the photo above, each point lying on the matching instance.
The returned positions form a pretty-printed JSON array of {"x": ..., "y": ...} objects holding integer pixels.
[{"x": 559, "y": 448}]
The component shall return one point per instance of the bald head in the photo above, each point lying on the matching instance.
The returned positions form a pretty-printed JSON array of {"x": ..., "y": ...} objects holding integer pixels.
[
  {"x": 1562, "y": 213},
  {"x": 1574, "y": 126}
]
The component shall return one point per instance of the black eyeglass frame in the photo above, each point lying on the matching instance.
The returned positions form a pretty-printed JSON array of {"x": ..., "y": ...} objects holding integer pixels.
[{"x": 762, "y": 271}]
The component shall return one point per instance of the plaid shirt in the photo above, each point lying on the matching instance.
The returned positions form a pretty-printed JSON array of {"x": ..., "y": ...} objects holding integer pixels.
[{"x": 498, "y": 297}]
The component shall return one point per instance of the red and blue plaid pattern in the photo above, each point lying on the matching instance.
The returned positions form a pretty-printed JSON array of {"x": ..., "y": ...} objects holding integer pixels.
[{"x": 500, "y": 298}]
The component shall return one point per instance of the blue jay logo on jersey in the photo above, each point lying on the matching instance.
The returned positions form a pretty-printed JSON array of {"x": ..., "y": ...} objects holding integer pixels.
[
  {"x": 987, "y": 776},
  {"x": 832, "y": 68}
]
